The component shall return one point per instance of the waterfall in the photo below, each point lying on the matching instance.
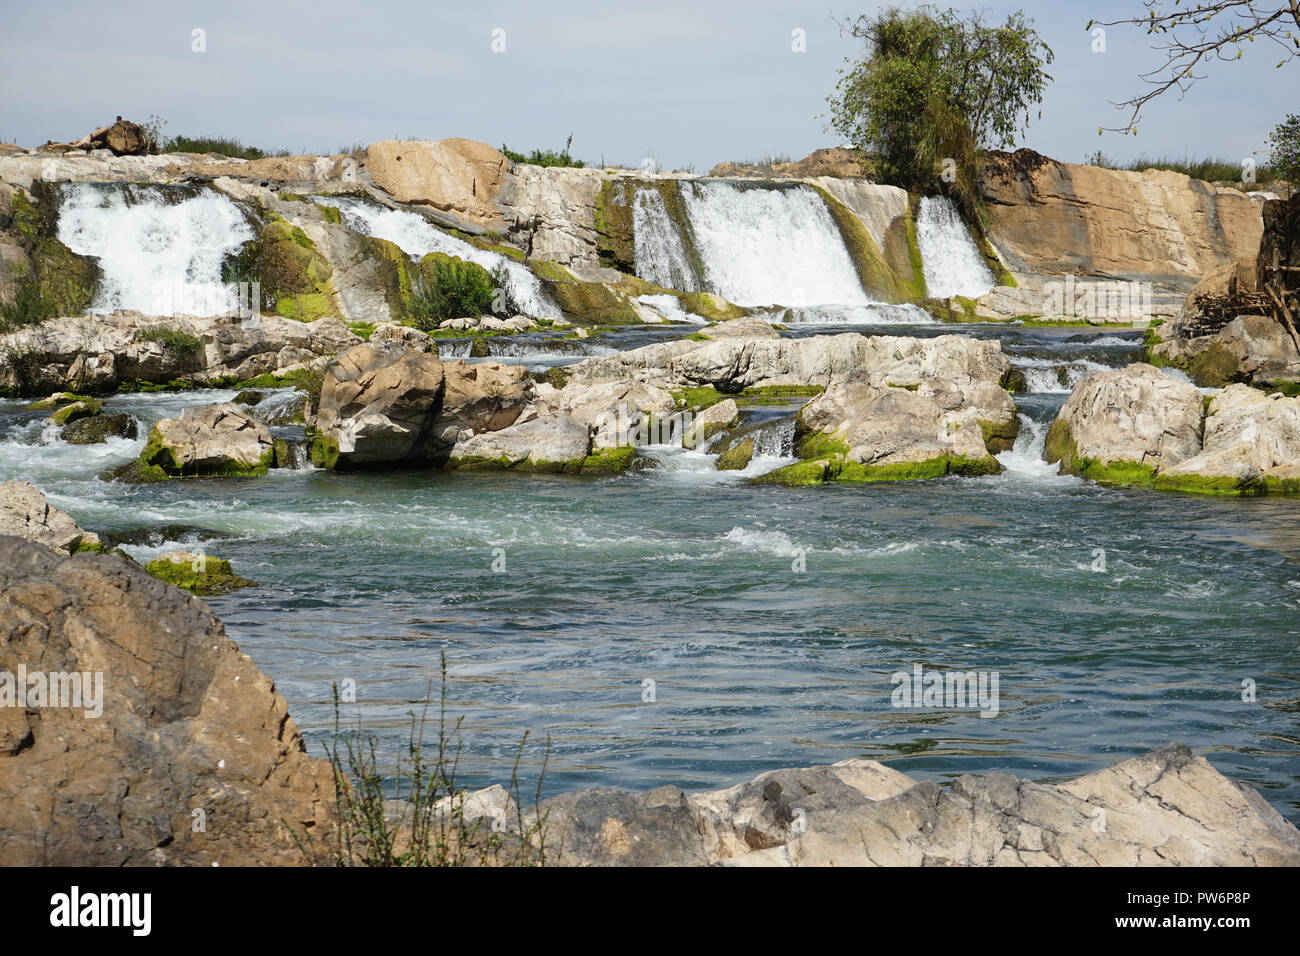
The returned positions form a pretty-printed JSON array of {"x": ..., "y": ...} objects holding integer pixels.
[
  {"x": 160, "y": 248},
  {"x": 775, "y": 440},
  {"x": 1025, "y": 459},
  {"x": 660, "y": 249},
  {"x": 416, "y": 236},
  {"x": 1056, "y": 377},
  {"x": 770, "y": 245},
  {"x": 949, "y": 257}
]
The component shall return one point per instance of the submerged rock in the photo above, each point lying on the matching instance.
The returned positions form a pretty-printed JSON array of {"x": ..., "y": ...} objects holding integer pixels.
[
  {"x": 25, "y": 513},
  {"x": 181, "y": 751}
]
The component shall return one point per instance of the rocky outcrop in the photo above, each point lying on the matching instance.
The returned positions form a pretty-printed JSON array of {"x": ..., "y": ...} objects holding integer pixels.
[
  {"x": 483, "y": 397},
  {"x": 1050, "y": 218},
  {"x": 99, "y": 428},
  {"x": 123, "y": 138},
  {"x": 1251, "y": 446},
  {"x": 835, "y": 161},
  {"x": 1247, "y": 348},
  {"x": 553, "y": 444},
  {"x": 1126, "y": 425},
  {"x": 458, "y": 177},
  {"x": 1164, "y": 808},
  {"x": 731, "y": 363},
  {"x": 207, "y": 441},
  {"x": 105, "y": 352},
  {"x": 179, "y": 751},
  {"x": 26, "y": 514}
]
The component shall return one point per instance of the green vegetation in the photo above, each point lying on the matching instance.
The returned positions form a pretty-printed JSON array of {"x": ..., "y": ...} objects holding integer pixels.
[
  {"x": 417, "y": 818},
  {"x": 54, "y": 280},
  {"x": 1210, "y": 169},
  {"x": 1284, "y": 150},
  {"x": 294, "y": 278},
  {"x": 175, "y": 341},
  {"x": 84, "y": 408},
  {"x": 221, "y": 145},
  {"x": 932, "y": 88},
  {"x": 198, "y": 574},
  {"x": 25, "y": 306},
  {"x": 548, "y": 157},
  {"x": 1060, "y": 446},
  {"x": 445, "y": 287}
]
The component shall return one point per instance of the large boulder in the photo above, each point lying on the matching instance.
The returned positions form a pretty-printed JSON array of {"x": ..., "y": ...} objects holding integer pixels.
[
  {"x": 1126, "y": 425},
  {"x": 378, "y": 406},
  {"x": 1251, "y": 446},
  {"x": 25, "y": 513},
  {"x": 459, "y": 177},
  {"x": 219, "y": 440},
  {"x": 179, "y": 752},
  {"x": 480, "y": 397},
  {"x": 553, "y": 444},
  {"x": 1246, "y": 348}
]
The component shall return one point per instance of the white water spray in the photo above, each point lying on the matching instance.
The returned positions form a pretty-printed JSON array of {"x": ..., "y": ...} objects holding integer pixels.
[
  {"x": 949, "y": 257},
  {"x": 158, "y": 257},
  {"x": 660, "y": 253},
  {"x": 770, "y": 246}
]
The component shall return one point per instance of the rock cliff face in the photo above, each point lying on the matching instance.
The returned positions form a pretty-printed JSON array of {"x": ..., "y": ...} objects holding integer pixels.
[
  {"x": 179, "y": 750},
  {"x": 1050, "y": 218}
]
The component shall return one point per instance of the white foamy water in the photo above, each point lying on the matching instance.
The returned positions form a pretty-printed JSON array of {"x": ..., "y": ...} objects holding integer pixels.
[
  {"x": 158, "y": 257},
  {"x": 660, "y": 255},
  {"x": 877, "y": 313},
  {"x": 763, "y": 246},
  {"x": 1044, "y": 375},
  {"x": 1025, "y": 459},
  {"x": 416, "y": 236},
  {"x": 949, "y": 257}
]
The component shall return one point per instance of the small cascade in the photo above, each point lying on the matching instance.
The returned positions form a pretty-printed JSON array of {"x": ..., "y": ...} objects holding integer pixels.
[
  {"x": 298, "y": 455},
  {"x": 1025, "y": 458},
  {"x": 1055, "y": 377},
  {"x": 949, "y": 257},
  {"x": 775, "y": 440},
  {"x": 670, "y": 308},
  {"x": 160, "y": 248},
  {"x": 416, "y": 236},
  {"x": 770, "y": 245},
  {"x": 660, "y": 250}
]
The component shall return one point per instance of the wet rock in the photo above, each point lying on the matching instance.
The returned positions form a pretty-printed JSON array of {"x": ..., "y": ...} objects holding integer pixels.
[
  {"x": 542, "y": 444},
  {"x": 100, "y": 428},
  {"x": 197, "y": 572},
  {"x": 190, "y": 757}
]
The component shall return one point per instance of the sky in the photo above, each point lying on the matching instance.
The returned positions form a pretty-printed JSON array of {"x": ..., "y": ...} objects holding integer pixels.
[{"x": 691, "y": 84}]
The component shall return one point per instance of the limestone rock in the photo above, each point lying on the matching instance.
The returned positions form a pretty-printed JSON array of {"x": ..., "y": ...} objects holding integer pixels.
[
  {"x": 541, "y": 444},
  {"x": 1126, "y": 425},
  {"x": 709, "y": 422},
  {"x": 456, "y": 176},
  {"x": 1251, "y": 444},
  {"x": 210, "y": 440},
  {"x": 25, "y": 513},
  {"x": 480, "y": 397},
  {"x": 189, "y": 728}
]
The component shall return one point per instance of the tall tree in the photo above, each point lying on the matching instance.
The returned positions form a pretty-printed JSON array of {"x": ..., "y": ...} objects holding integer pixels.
[
  {"x": 1193, "y": 35},
  {"x": 935, "y": 86}
]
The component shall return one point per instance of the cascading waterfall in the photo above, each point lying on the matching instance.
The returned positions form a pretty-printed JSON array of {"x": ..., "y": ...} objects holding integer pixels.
[
  {"x": 160, "y": 248},
  {"x": 416, "y": 236},
  {"x": 767, "y": 246},
  {"x": 660, "y": 250},
  {"x": 949, "y": 257},
  {"x": 1056, "y": 377},
  {"x": 775, "y": 440}
]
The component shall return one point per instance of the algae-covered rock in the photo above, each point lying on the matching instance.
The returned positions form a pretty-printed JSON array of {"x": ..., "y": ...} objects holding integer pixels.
[
  {"x": 75, "y": 411},
  {"x": 294, "y": 278},
  {"x": 100, "y": 428},
  {"x": 199, "y": 574},
  {"x": 207, "y": 441}
]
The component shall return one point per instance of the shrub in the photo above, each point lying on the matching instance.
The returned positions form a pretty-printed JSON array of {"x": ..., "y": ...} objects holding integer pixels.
[
  {"x": 1284, "y": 150},
  {"x": 445, "y": 287},
  {"x": 221, "y": 145},
  {"x": 25, "y": 306},
  {"x": 548, "y": 157}
]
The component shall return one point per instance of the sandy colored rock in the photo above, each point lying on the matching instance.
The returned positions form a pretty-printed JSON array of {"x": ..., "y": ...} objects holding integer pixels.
[
  {"x": 193, "y": 759},
  {"x": 455, "y": 176},
  {"x": 221, "y": 439},
  {"x": 1249, "y": 436},
  {"x": 26, "y": 514}
]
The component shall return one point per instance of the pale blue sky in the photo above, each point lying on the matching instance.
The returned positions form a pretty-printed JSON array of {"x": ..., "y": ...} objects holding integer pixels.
[{"x": 687, "y": 82}]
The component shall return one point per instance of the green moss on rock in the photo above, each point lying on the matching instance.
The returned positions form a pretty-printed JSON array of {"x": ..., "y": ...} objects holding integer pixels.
[{"x": 198, "y": 574}]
